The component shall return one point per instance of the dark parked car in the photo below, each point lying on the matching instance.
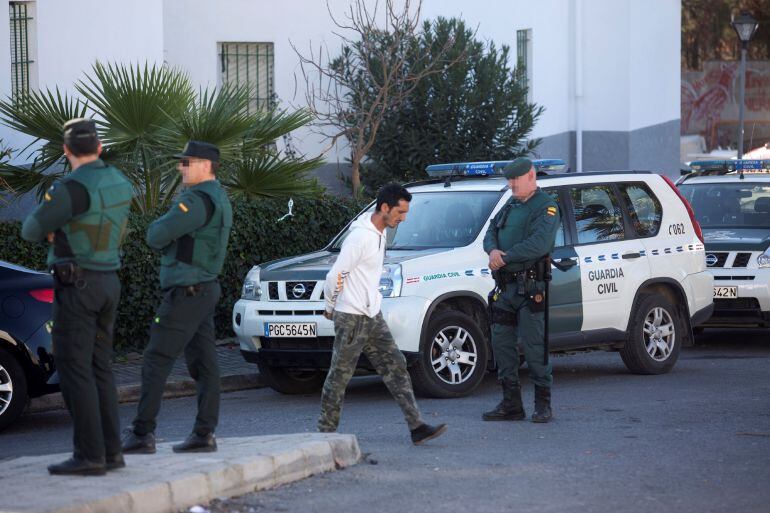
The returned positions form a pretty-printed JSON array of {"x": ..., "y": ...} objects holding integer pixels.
[{"x": 26, "y": 361}]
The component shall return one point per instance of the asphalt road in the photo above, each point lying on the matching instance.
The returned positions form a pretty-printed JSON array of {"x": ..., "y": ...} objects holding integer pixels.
[{"x": 696, "y": 439}]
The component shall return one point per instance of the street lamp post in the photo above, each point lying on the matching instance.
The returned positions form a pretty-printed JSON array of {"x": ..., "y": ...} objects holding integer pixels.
[{"x": 745, "y": 26}]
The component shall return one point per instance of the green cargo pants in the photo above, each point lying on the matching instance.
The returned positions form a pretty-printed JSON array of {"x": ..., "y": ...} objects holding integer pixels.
[
  {"x": 184, "y": 323},
  {"x": 355, "y": 334},
  {"x": 83, "y": 320},
  {"x": 528, "y": 332}
]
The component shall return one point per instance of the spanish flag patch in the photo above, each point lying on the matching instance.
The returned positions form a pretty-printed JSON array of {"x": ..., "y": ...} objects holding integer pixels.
[
  {"x": 47, "y": 197},
  {"x": 551, "y": 211},
  {"x": 183, "y": 207}
]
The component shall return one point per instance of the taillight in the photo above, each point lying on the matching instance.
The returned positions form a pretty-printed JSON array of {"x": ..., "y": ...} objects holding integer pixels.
[
  {"x": 43, "y": 295},
  {"x": 690, "y": 212}
]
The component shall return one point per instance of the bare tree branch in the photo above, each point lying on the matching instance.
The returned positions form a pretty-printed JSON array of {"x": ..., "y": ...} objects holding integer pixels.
[{"x": 378, "y": 67}]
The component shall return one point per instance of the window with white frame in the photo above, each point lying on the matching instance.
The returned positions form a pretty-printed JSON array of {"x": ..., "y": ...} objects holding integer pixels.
[
  {"x": 23, "y": 73},
  {"x": 524, "y": 59},
  {"x": 249, "y": 65}
]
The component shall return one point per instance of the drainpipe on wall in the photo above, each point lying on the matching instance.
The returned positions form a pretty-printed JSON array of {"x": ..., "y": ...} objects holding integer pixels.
[{"x": 578, "y": 46}]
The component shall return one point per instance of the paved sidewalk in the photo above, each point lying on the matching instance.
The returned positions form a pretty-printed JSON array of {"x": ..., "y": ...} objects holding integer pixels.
[
  {"x": 166, "y": 482},
  {"x": 236, "y": 373}
]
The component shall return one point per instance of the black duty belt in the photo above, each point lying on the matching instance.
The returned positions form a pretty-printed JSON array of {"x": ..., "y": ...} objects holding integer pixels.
[{"x": 510, "y": 277}]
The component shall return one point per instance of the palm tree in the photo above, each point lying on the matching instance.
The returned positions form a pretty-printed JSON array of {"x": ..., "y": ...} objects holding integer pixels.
[{"x": 144, "y": 115}]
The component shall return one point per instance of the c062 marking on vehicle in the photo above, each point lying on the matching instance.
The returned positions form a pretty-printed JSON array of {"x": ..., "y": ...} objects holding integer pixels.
[{"x": 676, "y": 229}]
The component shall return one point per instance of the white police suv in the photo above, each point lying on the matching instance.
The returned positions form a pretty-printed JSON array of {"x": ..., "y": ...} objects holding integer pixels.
[
  {"x": 631, "y": 277},
  {"x": 731, "y": 199}
]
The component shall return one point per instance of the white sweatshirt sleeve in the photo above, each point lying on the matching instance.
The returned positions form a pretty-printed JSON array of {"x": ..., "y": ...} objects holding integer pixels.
[{"x": 350, "y": 254}]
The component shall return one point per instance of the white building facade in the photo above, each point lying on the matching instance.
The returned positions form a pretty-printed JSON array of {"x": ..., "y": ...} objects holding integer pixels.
[{"x": 606, "y": 71}]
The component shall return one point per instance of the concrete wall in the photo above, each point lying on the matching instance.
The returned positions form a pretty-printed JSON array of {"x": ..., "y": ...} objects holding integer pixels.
[
  {"x": 73, "y": 34},
  {"x": 621, "y": 91},
  {"x": 612, "y": 73}
]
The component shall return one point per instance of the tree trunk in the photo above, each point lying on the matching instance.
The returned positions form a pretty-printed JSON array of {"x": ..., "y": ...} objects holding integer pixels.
[{"x": 355, "y": 176}]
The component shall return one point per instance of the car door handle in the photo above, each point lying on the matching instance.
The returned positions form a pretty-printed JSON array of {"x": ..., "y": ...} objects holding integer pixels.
[
  {"x": 628, "y": 256},
  {"x": 564, "y": 263}
]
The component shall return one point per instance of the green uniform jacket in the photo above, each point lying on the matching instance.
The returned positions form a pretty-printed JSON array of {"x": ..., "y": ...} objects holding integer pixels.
[
  {"x": 192, "y": 236},
  {"x": 527, "y": 231},
  {"x": 87, "y": 212}
]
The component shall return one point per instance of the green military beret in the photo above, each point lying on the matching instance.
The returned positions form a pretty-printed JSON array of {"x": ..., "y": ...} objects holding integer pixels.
[{"x": 517, "y": 168}]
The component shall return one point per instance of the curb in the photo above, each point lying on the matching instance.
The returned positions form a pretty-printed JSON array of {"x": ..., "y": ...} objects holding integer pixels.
[
  {"x": 131, "y": 393},
  {"x": 166, "y": 482}
]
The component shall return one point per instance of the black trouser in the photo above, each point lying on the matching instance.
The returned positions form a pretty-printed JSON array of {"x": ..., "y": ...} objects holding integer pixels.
[
  {"x": 83, "y": 320},
  {"x": 184, "y": 323}
]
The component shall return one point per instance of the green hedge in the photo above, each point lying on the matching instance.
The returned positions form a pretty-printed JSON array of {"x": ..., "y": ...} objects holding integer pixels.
[{"x": 257, "y": 237}]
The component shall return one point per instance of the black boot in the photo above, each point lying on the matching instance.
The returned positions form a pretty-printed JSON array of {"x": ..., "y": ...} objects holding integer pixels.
[
  {"x": 77, "y": 467},
  {"x": 510, "y": 408},
  {"x": 138, "y": 444},
  {"x": 542, "y": 405},
  {"x": 115, "y": 462},
  {"x": 197, "y": 443},
  {"x": 425, "y": 432}
]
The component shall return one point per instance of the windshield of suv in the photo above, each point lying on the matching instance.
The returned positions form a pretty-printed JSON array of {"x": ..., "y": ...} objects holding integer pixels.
[
  {"x": 446, "y": 219},
  {"x": 734, "y": 205}
]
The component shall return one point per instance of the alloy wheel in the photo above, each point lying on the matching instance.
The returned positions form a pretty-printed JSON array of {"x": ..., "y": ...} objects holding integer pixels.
[
  {"x": 659, "y": 334},
  {"x": 453, "y": 355},
  {"x": 6, "y": 389}
]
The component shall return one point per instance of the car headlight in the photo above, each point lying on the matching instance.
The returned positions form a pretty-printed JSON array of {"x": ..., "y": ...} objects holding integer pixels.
[
  {"x": 252, "y": 289},
  {"x": 390, "y": 282},
  {"x": 763, "y": 260}
]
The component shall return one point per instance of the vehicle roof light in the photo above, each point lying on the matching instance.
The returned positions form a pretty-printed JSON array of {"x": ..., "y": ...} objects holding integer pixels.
[
  {"x": 713, "y": 167},
  {"x": 492, "y": 168}
]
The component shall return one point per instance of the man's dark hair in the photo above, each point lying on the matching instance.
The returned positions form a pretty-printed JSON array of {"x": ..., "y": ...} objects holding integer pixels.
[
  {"x": 392, "y": 194},
  {"x": 81, "y": 137},
  {"x": 81, "y": 147}
]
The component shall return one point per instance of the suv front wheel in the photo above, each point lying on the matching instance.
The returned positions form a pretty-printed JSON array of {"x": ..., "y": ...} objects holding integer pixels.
[
  {"x": 453, "y": 357},
  {"x": 654, "y": 336}
]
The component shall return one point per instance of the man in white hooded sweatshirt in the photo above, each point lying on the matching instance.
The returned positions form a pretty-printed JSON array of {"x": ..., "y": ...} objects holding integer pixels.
[{"x": 353, "y": 302}]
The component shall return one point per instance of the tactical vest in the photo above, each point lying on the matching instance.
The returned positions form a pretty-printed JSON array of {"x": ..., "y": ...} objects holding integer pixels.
[
  {"x": 206, "y": 247},
  {"x": 93, "y": 238},
  {"x": 511, "y": 233}
]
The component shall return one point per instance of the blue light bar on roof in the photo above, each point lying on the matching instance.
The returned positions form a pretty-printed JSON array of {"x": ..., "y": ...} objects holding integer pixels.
[
  {"x": 491, "y": 168},
  {"x": 742, "y": 165}
]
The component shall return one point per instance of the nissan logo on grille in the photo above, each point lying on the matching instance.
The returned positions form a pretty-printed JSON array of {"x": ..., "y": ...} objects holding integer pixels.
[
  {"x": 711, "y": 259},
  {"x": 298, "y": 291}
]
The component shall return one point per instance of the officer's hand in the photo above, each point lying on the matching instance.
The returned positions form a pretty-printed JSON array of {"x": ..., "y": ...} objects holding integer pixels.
[
  {"x": 49, "y": 237},
  {"x": 328, "y": 314},
  {"x": 496, "y": 259}
]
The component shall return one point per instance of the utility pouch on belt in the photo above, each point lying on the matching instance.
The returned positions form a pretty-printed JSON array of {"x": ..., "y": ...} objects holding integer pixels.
[
  {"x": 67, "y": 273},
  {"x": 521, "y": 284}
]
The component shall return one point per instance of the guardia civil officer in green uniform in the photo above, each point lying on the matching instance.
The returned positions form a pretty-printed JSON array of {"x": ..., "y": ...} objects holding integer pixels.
[
  {"x": 518, "y": 239},
  {"x": 192, "y": 238},
  {"x": 84, "y": 218}
]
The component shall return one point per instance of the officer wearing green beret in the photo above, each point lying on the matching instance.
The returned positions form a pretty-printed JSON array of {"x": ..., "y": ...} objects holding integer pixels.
[
  {"x": 192, "y": 238},
  {"x": 84, "y": 218},
  {"x": 518, "y": 242}
]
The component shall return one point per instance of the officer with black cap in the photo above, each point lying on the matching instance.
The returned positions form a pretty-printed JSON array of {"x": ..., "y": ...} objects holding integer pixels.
[
  {"x": 518, "y": 241},
  {"x": 84, "y": 218},
  {"x": 192, "y": 238}
]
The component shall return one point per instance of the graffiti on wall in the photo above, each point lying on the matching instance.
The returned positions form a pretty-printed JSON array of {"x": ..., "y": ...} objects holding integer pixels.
[{"x": 710, "y": 98}]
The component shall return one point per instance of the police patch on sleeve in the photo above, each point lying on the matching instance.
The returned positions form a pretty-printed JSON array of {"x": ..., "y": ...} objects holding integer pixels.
[
  {"x": 47, "y": 196},
  {"x": 183, "y": 207},
  {"x": 551, "y": 211}
]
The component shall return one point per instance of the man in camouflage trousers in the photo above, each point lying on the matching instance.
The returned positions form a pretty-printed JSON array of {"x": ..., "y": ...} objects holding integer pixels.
[{"x": 353, "y": 302}]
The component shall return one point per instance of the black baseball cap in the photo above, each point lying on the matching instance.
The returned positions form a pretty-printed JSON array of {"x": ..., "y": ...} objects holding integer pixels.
[
  {"x": 200, "y": 150},
  {"x": 79, "y": 129}
]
